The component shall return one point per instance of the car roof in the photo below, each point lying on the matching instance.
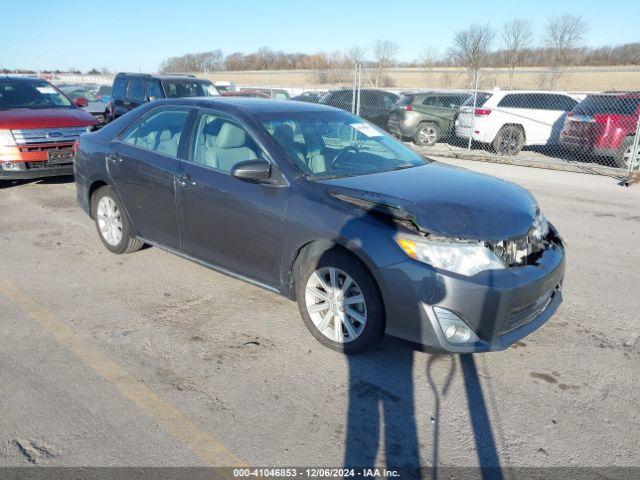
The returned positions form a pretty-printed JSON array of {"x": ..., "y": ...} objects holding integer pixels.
[
  {"x": 247, "y": 105},
  {"x": 21, "y": 79},
  {"x": 175, "y": 76}
]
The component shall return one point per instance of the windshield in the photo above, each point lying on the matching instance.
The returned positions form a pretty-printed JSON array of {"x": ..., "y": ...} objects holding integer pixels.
[
  {"x": 337, "y": 144},
  {"x": 74, "y": 93},
  {"x": 186, "y": 88},
  {"x": 30, "y": 94}
]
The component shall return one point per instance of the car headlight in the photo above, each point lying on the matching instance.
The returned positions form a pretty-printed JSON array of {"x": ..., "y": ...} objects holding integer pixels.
[
  {"x": 6, "y": 138},
  {"x": 539, "y": 229},
  {"x": 454, "y": 256}
]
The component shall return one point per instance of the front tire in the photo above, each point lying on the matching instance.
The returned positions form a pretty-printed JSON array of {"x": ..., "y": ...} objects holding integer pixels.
[
  {"x": 340, "y": 303},
  {"x": 509, "y": 140},
  {"x": 112, "y": 223}
]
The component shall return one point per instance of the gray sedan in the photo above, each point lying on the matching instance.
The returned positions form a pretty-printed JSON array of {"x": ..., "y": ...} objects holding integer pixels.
[{"x": 318, "y": 205}]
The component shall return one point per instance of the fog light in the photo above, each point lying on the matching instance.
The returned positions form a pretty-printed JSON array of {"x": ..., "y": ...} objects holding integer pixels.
[{"x": 454, "y": 329}]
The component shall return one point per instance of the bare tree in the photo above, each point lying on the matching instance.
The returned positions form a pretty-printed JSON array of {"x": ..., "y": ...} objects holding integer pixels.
[
  {"x": 384, "y": 54},
  {"x": 357, "y": 54},
  {"x": 516, "y": 36},
  {"x": 427, "y": 60},
  {"x": 472, "y": 48},
  {"x": 563, "y": 35}
]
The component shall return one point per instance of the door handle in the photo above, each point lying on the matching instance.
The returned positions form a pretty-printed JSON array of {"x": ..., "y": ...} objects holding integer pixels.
[
  {"x": 185, "y": 180},
  {"x": 114, "y": 158}
]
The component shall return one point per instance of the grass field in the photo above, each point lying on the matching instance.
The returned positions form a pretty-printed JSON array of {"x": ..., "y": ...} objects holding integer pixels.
[{"x": 572, "y": 79}]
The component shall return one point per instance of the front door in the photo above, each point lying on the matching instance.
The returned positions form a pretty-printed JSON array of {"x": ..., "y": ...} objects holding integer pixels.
[
  {"x": 224, "y": 221},
  {"x": 142, "y": 165}
]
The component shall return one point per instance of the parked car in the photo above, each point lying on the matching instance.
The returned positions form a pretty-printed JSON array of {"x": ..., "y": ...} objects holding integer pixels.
[
  {"x": 277, "y": 93},
  {"x": 104, "y": 93},
  {"x": 311, "y": 97},
  {"x": 246, "y": 93},
  {"x": 85, "y": 100},
  {"x": 130, "y": 90},
  {"x": 376, "y": 105},
  {"x": 510, "y": 120},
  {"x": 603, "y": 124},
  {"x": 38, "y": 127},
  {"x": 315, "y": 204},
  {"x": 426, "y": 117}
]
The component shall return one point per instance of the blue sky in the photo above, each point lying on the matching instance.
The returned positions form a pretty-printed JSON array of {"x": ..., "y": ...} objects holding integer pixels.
[{"x": 139, "y": 34}]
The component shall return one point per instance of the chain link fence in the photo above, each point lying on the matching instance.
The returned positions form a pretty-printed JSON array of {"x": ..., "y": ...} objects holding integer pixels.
[{"x": 584, "y": 119}]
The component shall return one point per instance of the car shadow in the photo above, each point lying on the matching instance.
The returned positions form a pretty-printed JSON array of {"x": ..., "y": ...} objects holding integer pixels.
[{"x": 381, "y": 408}]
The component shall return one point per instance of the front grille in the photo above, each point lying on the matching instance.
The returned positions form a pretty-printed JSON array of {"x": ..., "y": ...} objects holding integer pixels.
[
  {"x": 523, "y": 315},
  {"x": 47, "y": 147},
  {"x": 47, "y": 135}
]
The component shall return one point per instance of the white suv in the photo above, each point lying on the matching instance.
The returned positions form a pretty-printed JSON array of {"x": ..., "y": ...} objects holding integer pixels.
[{"x": 510, "y": 120}]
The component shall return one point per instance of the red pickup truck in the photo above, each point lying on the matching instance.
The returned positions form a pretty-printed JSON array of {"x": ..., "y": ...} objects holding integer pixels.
[{"x": 38, "y": 127}]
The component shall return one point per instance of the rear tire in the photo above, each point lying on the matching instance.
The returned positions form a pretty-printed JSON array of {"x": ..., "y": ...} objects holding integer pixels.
[
  {"x": 112, "y": 223},
  {"x": 623, "y": 154},
  {"x": 509, "y": 140},
  {"x": 427, "y": 134},
  {"x": 348, "y": 318}
]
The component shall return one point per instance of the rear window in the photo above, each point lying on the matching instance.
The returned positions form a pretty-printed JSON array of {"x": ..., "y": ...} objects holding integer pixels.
[
  {"x": 405, "y": 100},
  {"x": 119, "y": 88},
  {"x": 607, "y": 104},
  {"x": 481, "y": 100}
]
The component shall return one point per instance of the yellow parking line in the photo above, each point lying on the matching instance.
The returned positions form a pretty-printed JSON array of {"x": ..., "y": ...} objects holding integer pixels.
[{"x": 210, "y": 450}]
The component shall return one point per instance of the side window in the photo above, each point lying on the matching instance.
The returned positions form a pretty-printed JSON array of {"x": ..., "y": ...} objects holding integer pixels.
[
  {"x": 153, "y": 88},
  {"x": 119, "y": 88},
  {"x": 159, "y": 131},
  {"x": 135, "y": 90},
  {"x": 389, "y": 101},
  {"x": 429, "y": 102},
  {"x": 220, "y": 143}
]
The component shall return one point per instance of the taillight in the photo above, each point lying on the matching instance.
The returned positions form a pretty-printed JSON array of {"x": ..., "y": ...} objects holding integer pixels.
[
  {"x": 408, "y": 108},
  {"x": 481, "y": 112},
  {"x": 76, "y": 146}
]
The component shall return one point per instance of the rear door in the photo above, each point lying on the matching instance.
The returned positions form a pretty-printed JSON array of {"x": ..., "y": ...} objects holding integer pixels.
[{"x": 142, "y": 163}]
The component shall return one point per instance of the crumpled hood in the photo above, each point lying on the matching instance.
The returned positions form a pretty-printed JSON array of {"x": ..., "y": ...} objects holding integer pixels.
[
  {"x": 445, "y": 200},
  {"x": 21, "y": 118}
]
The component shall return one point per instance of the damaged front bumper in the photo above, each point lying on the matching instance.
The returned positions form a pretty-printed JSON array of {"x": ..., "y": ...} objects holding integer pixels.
[{"x": 499, "y": 306}]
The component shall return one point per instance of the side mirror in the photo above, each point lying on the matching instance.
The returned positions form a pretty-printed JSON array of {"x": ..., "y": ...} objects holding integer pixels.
[
  {"x": 81, "y": 102},
  {"x": 152, "y": 98},
  {"x": 252, "y": 170}
]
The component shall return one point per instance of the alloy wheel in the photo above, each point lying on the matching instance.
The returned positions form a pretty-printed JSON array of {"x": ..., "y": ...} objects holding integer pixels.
[
  {"x": 428, "y": 135},
  {"x": 336, "y": 304},
  {"x": 109, "y": 221},
  {"x": 509, "y": 142}
]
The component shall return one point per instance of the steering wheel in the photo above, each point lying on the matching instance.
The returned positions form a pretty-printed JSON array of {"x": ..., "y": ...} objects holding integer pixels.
[
  {"x": 342, "y": 152},
  {"x": 38, "y": 102}
]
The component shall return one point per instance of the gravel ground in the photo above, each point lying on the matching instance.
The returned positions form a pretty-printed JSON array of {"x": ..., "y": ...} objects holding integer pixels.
[{"x": 149, "y": 359}]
